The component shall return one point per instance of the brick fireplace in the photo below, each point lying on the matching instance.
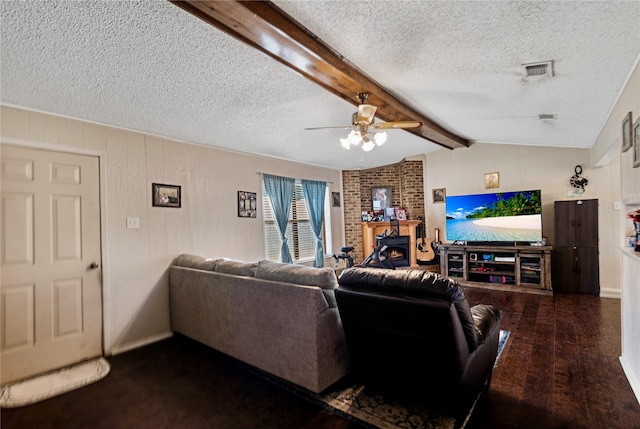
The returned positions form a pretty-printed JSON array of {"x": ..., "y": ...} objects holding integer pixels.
[
  {"x": 370, "y": 230},
  {"x": 407, "y": 190},
  {"x": 398, "y": 249}
]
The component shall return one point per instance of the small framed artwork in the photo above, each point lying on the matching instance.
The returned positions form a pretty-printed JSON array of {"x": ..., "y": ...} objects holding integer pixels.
[
  {"x": 390, "y": 213},
  {"x": 636, "y": 143},
  {"x": 335, "y": 199},
  {"x": 627, "y": 132},
  {"x": 439, "y": 195},
  {"x": 381, "y": 197},
  {"x": 247, "y": 204},
  {"x": 401, "y": 214},
  {"x": 166, "y": 195},
  {"x": 492, "y": 180}
]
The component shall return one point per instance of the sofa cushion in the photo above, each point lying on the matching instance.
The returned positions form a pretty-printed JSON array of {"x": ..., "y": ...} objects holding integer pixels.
[
  {"x": 238, "y": 268},
  {"x": 324, "y": 278},
  {"x": 196, "y": 262}
]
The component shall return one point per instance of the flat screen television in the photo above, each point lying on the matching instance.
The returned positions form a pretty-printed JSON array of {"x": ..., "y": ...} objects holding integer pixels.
[{"x": 503, "y": 217}]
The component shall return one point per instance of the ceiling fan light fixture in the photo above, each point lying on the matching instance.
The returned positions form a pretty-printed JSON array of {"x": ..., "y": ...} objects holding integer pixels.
[
  {"x": 366, "y": 113},
  {"x": 368, "y": 146},
  {"x": 354, "y": 137},
  {"x": 346, "y": 143},
  {"x": 380, "y": 138},
  {"x": 362, "y": 123}
]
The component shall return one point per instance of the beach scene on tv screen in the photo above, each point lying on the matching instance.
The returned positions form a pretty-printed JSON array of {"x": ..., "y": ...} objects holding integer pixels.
[{"x": 505, "y": 216}]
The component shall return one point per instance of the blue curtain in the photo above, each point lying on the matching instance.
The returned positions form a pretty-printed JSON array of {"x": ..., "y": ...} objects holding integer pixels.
[
  {"x": 314, "y": 196},
  {"x": 280, "y": 193}
]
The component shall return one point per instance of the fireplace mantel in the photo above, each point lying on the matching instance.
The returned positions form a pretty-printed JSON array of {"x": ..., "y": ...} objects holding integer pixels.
[{"x": 371, "y": 229}]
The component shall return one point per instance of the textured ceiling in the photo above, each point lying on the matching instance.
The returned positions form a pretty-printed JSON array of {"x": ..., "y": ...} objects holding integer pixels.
[{"x": 152, "y": 67}]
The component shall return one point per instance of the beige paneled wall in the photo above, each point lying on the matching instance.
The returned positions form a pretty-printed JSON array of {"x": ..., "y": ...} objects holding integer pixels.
[
  {"x": 611, "y": 134},
  {"x": 135, "y": 261},
  {"x": 610, "y": 141},
  {"x": 462, "y": 171}
]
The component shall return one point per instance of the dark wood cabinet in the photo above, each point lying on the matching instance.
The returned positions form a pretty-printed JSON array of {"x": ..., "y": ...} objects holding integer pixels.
[{"x": 575, "y": 253}]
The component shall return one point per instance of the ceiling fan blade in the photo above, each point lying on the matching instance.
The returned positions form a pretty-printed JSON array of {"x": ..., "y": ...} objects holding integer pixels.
[
  {"x": 400, "y": 124},
  {"x": 366, "y": 112},
  {"x": 330, "y": 128}
]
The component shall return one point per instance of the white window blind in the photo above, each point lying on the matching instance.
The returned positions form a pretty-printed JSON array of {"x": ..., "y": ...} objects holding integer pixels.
[{"x": 300, "y": 238}]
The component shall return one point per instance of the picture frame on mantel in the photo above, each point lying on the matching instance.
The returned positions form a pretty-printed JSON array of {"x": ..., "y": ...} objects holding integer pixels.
[
  {"x": 627, "y": 132},
  {"x": 166, "y": 195},
  {"x": 636, "y": 143}
]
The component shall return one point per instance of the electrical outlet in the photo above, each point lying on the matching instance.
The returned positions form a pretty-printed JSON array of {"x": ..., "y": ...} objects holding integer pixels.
[
  {"x": 133, "y": 222},
  {"x": 617, "y": 205}
]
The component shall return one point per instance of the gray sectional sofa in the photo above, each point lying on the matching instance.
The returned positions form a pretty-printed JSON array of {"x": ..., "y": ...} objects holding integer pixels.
[{"x": 280, "y": 318}]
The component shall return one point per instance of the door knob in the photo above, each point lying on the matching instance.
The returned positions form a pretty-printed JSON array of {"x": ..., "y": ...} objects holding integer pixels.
[{"x": 93, "y": 266}]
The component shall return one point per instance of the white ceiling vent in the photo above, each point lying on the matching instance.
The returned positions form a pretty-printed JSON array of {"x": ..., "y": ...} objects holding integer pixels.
[
  {"x": 547, "y": 116},
  {"x": 541, "y": 69}
]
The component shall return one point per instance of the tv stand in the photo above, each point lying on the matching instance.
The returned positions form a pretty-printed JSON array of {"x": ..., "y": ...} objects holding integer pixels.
[{"x": 513, "y": 268}]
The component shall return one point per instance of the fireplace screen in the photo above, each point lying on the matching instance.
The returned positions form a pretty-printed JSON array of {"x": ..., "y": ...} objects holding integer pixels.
[{"x": 397, "y": 249}]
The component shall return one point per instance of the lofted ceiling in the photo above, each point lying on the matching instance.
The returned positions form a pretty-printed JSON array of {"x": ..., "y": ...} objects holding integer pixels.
[{"x": 151, "y": 66}]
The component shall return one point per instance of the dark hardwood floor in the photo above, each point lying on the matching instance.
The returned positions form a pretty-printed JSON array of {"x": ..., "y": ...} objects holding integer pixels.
[{"x": 560, "y": 369}]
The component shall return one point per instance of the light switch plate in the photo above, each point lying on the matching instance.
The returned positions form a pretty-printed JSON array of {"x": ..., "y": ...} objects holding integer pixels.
[
  {"x": 133, "y": 222},
  {"x": 617, "y": 205}
]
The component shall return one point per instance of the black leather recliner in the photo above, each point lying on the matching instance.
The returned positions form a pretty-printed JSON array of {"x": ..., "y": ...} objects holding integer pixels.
[{"x": 413, "y": 330}]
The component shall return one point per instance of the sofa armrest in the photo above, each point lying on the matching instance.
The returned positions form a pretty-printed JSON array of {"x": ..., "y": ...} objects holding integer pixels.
[{"x": 486, "y": 318}]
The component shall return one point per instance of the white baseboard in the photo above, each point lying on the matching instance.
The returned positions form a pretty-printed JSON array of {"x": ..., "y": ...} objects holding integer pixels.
[
  {"x": 140, "y": 343},
  {"x": 610, "y": 293},
  {"x": 631, "y": 376}
]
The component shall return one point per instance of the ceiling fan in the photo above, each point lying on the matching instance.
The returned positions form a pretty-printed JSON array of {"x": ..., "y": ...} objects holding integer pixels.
[{"x": 362, "y": 122}]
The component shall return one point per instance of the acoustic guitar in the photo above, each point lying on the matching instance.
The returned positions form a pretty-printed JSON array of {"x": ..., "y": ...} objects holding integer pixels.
[{"x": 424, "y": 250}]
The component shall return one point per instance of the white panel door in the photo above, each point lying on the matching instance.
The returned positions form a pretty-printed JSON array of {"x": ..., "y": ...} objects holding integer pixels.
[{"x": 50, "y": 289}]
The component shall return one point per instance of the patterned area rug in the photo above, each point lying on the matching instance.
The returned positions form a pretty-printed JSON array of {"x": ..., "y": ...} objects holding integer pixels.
[
  {"x": 369, "y": 408},
  {"x": 53, "y": 383},
  {"x": 373, "y": 410},
  {"x": 504, "y": 336}
]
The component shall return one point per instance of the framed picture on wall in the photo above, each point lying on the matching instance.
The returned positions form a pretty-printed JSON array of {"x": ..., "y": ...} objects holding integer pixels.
[
  {"x": 627, "y": 133},
  {"x": 335, "y": 199},
  {"x": 439, "y": 195},
  {"x": 165, "y": 195},
  {"x": 492, "y": 180},
  {"x": 381, "y": 197},
  {"x": 636, "y": 143},
  {"x": 247, "y": 204}
]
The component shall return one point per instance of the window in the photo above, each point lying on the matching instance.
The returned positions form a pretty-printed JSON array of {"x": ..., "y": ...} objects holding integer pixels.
[{"x": 300, "y": 238}]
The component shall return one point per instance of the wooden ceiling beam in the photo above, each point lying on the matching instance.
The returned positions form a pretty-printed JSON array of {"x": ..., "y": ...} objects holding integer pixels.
[{"x": 269, "y": 29}]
